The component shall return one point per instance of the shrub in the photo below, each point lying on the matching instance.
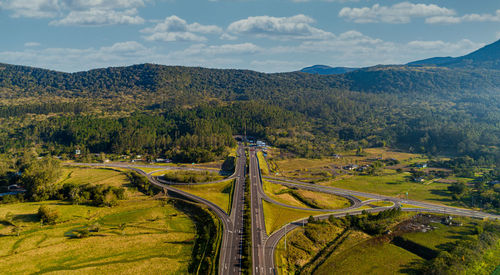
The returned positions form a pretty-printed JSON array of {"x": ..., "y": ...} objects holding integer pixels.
[
  {"x": 48, "y": 215},
  {"x": 81, "y": 233}
]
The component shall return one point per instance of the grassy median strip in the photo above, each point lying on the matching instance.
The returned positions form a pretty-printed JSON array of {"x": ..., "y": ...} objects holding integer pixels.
[{"x": 246, "y": 260}]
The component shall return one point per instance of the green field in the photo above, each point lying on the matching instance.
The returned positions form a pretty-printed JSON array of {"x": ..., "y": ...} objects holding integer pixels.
[
  {"x": 277, "y": 216},
  {"x": 189, "y": 176},
  {"x": 107, "y": 176},
  {"x": 436, "y": 239},
  {"x": 396, "y": 185},
  {"x": 218, "y": 193},
  {"x": 163, "y": 235},
  {"x": 386, "y": 182},
  {"x": 369, "y": 257}
]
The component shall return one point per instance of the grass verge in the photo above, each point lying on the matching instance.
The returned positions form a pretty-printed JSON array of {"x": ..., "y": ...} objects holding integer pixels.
[{"x": 277, "y": 216}]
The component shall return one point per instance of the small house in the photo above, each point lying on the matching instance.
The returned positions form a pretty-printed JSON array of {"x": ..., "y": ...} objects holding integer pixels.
[
  {"x": 15, "y": 187},
  {"x": 351, "y": 167},
  {"x": 419, "y": 179}
]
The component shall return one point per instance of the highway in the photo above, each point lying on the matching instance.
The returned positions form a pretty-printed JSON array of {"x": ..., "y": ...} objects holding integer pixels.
[
  {"x": 260, "y": 263},
  {"x": 263, "y": 246},
  {"x": 234, "y": 243}
]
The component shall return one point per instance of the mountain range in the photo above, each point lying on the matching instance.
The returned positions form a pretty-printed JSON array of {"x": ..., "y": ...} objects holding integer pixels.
[
  {"x": 487, "y": 57},
  {"x": 423, "y": 106}
]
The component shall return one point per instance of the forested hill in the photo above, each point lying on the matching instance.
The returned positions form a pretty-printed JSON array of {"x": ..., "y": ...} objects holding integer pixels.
[
  {"x": 191, "y": 113},
  {"x": 175, "y": 82}
]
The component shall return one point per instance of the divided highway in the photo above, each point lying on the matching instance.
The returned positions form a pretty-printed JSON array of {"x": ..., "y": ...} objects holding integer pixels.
[{"x": 263, "y": 245}]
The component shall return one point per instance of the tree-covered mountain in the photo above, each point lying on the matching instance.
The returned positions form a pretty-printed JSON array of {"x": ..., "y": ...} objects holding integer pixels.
[
  {"x": 488, "y": 57},
  {"x": 190, "y": 113}
]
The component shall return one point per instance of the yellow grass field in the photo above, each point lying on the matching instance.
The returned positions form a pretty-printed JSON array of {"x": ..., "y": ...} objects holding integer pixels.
[
  {"x": 139, "y": 235},
  {"x": 274, "y": 192},
  {"x": 324, "y": 200},
  {"x": 277, "y": 216},
  {"x": 218, "y": 193},
  {"x": 264, "y": 168}
]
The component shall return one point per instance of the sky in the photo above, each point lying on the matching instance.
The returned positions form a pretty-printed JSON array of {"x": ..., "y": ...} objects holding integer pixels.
[{"x": 261, "y": 35}]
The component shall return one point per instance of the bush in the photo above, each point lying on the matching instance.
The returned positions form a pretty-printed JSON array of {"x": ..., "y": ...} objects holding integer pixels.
[
  {"x": 96, "y": 195},
  {"x": 81, "y": 233},
  {"x": 48, "y": 215},
  {"x": 13, "y": 198}
]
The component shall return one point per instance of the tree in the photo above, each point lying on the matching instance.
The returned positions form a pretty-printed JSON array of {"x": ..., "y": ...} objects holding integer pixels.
[
  {"x": 457, "y": 188},
  {"x": 39, "y": 178}
]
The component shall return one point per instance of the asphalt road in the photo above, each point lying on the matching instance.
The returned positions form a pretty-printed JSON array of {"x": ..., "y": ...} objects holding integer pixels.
[
  {"x": 129, "y": 165},
  {"x": 263, "y": 246},
  {"x": 422, "y": 205},
  {"x": 231, "y": 264},
  {"x": 232, "y": 239},
  {"x": 260, "y": 263}
]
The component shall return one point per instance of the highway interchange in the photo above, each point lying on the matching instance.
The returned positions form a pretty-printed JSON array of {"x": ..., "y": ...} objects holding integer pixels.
[{"x": 263, "y": 245}]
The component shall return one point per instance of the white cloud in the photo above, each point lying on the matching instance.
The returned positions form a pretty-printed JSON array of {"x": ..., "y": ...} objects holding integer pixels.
[
  {"x": 97, "y": 17},
  {"x": 355, "y": 49},
  {"x": 174, "y": 28},
  {"x": 32, "y": 8},
  {"x": 68, "y": 59},
  {"x": 77, "y": 12},
  {"x": 102, "y": 4},
  {"x": 295, "y": 27},
  {"x": 31, "y": 44},
  {"x": 397, "y": 13},
  {"x": 175, "y": 36},
  {"x": 335, "y": 1},
  {"x": 226, "y": 36},
  {"x": 473, "y": 17},
  {"x": 277, "y": 65},
  {"x": 438, "y": 46},
  {"x": 226, "y": 49},
  {"x": 498, "y": 35}
]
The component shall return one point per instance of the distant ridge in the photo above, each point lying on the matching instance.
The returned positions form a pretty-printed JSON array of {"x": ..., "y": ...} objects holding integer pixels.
[
  {"x": 487, "y": 57},
  {"x": 327, "y": 70}
]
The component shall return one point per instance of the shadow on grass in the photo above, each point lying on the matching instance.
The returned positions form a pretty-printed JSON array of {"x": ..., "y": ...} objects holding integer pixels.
[
  {"x": 27, "y": 218},
  {"x": 446, "y": 196},
  {"x": 413, "y": 268},
  {"x": 394, "y": 182}
]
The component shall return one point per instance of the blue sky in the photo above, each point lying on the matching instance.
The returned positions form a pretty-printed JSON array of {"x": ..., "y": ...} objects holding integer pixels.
[{"x": 261, "y": 35}]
